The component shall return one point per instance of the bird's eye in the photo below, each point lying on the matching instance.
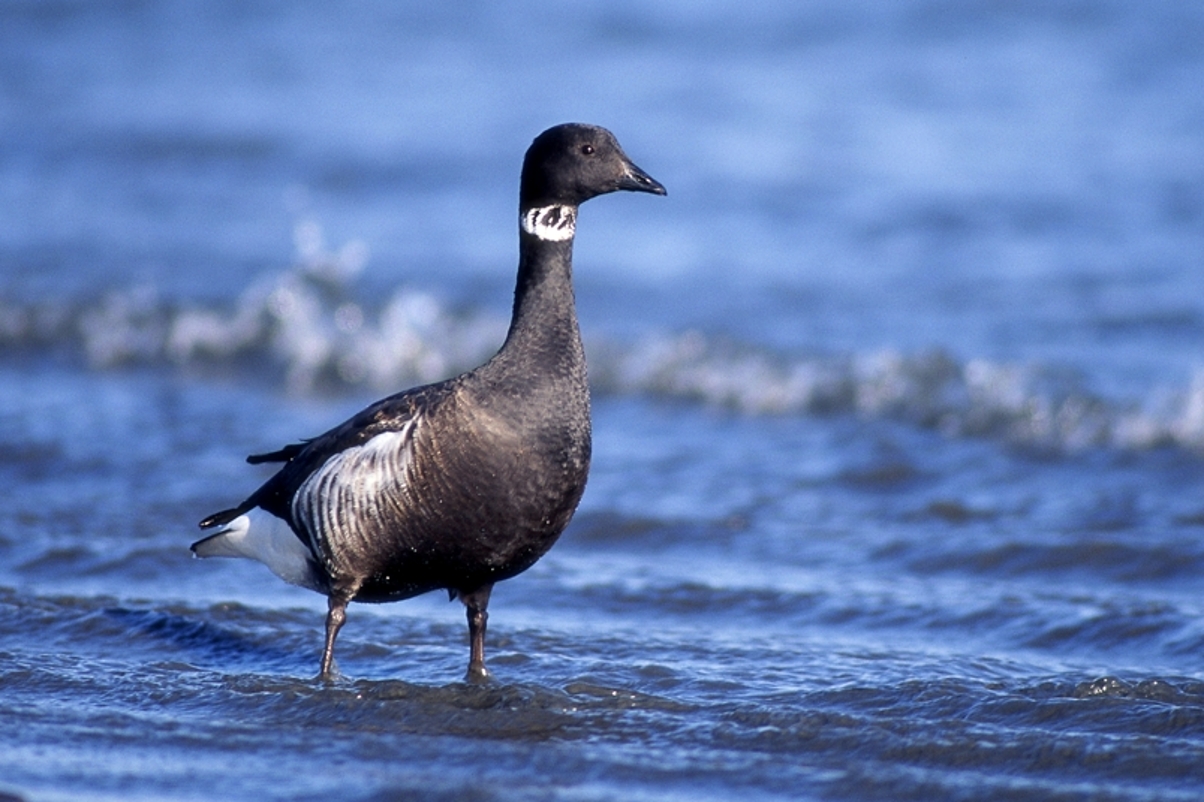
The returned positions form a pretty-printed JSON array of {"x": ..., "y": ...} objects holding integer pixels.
[{"x": 588, "y": 150}]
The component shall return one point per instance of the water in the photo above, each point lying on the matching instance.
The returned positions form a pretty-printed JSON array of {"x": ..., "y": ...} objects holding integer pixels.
[{"x": 899, "y": 407}]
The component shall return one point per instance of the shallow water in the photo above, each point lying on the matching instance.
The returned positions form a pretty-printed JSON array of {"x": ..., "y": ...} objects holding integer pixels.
[{"x": 899, "y": 413}]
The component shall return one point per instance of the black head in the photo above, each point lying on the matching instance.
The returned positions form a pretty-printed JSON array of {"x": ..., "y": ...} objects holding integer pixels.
[{"x": 571, "y": 163}]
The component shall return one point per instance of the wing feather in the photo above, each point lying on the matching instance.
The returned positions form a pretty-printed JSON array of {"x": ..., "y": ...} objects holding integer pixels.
[{"x": 348, "y": 506}]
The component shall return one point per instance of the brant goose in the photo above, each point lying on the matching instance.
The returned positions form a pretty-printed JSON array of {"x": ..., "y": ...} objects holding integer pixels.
[{"x": 461, "y": 484}]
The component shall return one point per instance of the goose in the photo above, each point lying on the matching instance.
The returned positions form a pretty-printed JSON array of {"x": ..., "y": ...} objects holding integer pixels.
[{"x": 460, "y": 484}]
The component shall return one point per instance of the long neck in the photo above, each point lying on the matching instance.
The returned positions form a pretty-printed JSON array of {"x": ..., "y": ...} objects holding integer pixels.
[
  {"x": 543, "y": 329},
  {"x": 544, "y": 321}
]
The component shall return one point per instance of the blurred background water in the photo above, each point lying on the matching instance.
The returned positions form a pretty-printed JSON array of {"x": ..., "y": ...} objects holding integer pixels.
[{"x": 899, "y": 404}]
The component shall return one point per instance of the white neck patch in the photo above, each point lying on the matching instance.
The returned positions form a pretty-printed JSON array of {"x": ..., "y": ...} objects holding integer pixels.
[{"x": 553, "y": 223}]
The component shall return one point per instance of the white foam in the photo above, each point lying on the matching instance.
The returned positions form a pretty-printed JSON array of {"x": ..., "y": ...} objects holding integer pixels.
[
  {"x": 1017, "y": 403},
  {"x": 301, "y": 324}
]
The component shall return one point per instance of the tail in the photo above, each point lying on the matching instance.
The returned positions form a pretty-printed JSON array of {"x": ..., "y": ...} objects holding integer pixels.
[
  {"x": 222, "y": 518},
  {"x": 229, "y": 539},
  {"x": 258, "y": 535}
]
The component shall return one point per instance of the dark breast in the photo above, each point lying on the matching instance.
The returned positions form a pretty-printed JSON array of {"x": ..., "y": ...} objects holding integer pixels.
[{"x": 493, "y": 480}]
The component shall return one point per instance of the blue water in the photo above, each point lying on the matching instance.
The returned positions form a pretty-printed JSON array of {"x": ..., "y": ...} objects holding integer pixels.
[{"x": 899, "y": 397}]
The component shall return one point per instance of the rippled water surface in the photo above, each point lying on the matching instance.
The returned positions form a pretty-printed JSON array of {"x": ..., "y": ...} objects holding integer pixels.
[{"x": 899, "y": 404}]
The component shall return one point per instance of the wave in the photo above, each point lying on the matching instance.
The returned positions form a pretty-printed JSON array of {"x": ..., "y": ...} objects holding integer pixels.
[
  {"x": 305, "y": 326},
  {"x": 303, "y": 322},
  {"x": 1025, "y": 404}
]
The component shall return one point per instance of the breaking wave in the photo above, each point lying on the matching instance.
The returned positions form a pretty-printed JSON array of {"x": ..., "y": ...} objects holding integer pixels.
[
  {"x": 304, "y": 326},
  {"x": 1028, "y": 405}
]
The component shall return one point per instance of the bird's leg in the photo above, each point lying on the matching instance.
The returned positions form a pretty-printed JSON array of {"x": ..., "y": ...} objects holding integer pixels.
[
  {"x": 475, "y": 604},
  {"x": 335, "y": 616}
]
